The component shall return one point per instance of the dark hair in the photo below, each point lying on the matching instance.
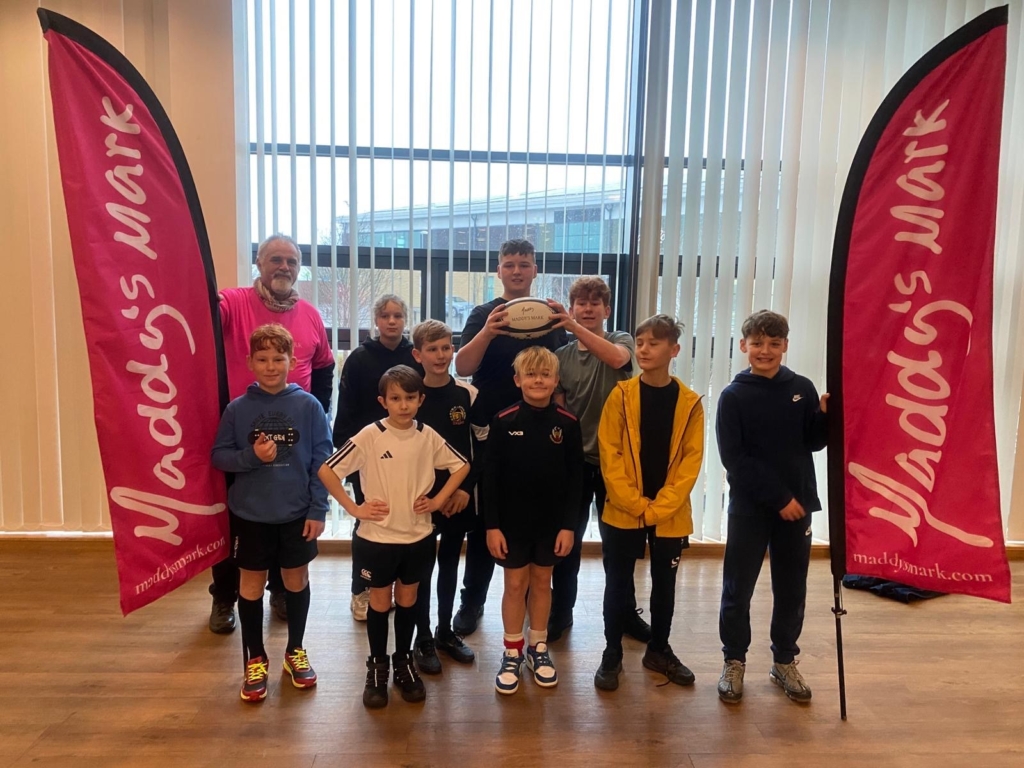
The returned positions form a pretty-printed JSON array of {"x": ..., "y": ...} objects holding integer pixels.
[
  {"x": 765, "y": 323},
  {"x": 588, "y": 288},
  {"x": 271, "y": 336},
  {"x": 402, "y": 375},
  {"x": 661, "y": 327},
  {"x": 517, "y": 248}
]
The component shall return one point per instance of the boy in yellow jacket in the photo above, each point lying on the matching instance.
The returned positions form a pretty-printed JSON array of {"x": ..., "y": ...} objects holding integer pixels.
[{"x": 651, "y": 441}]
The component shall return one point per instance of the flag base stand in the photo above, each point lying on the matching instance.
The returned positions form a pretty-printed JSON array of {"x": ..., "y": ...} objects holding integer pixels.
[{"x": 838, "y": 611}]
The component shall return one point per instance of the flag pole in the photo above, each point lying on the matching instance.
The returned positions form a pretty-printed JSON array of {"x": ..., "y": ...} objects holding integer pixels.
[{"x": 839, "y": 612}]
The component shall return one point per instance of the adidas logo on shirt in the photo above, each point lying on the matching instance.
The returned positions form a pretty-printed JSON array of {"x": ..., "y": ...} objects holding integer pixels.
[{"x": 386, "y": 455}]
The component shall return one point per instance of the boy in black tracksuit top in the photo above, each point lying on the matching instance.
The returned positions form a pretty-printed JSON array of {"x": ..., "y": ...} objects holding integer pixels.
[
  {"x": 358, "y": 405},
  {"x": 533, "y": 475},
  {"x": 450, "y": 408},
  {"x": 770, "y": 420}
]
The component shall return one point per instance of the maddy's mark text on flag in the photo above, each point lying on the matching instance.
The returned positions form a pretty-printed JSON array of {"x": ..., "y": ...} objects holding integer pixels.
[
  {"x": 921, "y": 401},
  {"x": 156, "y": 384}
]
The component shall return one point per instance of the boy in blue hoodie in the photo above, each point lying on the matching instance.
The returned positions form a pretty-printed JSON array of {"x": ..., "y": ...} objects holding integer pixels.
[
  {"x": 770, "y": 420},
  {"x": 273, "y": 439}
]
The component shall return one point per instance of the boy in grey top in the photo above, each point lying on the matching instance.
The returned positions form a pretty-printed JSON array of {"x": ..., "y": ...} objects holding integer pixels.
[{"x": 590, "y": 366}]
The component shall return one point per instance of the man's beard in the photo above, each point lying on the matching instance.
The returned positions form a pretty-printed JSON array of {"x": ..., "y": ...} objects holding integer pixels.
[{"x": 281, "y": 286}]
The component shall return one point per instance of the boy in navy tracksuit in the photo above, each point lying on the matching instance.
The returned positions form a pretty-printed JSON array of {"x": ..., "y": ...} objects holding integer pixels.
[{"x": 770, "y": 420}]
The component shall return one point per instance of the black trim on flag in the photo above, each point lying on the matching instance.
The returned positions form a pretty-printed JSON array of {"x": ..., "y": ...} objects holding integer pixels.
[
  {"x": 85, "y": 37},
  {"x": 961, "y": 38}
]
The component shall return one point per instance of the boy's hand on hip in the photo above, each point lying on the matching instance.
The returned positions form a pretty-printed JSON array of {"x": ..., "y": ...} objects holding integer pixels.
[
  {"x": 496, "y": 544},
  {"x": 456, "y": 503},
  {"x": 823, "y": 404},
  {"x": 792, "y": 511},
  {"x": 312, "y": 529},
  {"x": 266, "y": 449},
  {"x": 374, "y": 511},
  {"x": 424, "y": 506},
  {"x": 564, "y": 542}
]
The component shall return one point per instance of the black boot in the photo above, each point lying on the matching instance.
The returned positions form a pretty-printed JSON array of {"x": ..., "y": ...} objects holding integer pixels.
[
  {"x": 467, "y": 619},
  {"x": 375, "y": 694},
  {"x": 667, "y": 663},
  {"x": 607, "y": 676},
  {"x": 407, "y": 679},
  {"x": 222, "y": 617},
  {"x": 426, "y": 657},
  {"x": 636, "y": 627},
  {"x": 446, "y": 640}
]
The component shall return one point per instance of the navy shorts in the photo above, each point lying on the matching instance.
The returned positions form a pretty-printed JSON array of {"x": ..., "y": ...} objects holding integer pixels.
[
  {"x": 384, "y": 564},
  {"x": 262, "y": 546},
  {"x": 538, "y": 551}
]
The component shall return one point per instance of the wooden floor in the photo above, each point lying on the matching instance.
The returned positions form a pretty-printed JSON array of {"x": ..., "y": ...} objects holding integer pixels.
[{"x": 938, "y": 684}]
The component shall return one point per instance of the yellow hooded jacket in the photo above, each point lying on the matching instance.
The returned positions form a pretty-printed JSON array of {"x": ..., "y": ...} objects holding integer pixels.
[{"x": 618, "y": 437}]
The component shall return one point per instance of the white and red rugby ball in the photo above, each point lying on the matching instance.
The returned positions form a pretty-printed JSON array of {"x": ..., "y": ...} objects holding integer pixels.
[{"x": 529, "y": 318}]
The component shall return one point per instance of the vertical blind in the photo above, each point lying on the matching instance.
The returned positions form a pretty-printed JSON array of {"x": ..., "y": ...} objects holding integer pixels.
[
  {"x": 401, "y": 141},
  {"x": 448, "y": 126},
  {"x": 767, "y": 106}
]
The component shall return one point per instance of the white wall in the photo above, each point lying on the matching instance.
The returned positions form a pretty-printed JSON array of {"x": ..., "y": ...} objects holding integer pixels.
[{"x": 50, "y": 475}]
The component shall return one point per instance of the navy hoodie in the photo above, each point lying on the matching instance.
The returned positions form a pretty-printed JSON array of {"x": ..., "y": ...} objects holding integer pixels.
[
  {"x": 767, "y": 430},
  {"x": 287, "y": 488},
  {"x": 359, "y": 385}
]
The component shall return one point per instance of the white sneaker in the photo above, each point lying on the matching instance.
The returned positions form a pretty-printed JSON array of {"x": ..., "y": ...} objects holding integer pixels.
[
  {"x": 507, "y": 679},
  {"x": 539, "y": 661},
  {"x": 360, "y": 605},
  {"x": 730, "y": 684},
  {"x": 789, "y": 679}
]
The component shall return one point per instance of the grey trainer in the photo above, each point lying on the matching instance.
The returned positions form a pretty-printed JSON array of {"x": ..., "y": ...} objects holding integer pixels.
[
  {"x": 730, "y": 684},
  {"x": 787, "y": 677}
]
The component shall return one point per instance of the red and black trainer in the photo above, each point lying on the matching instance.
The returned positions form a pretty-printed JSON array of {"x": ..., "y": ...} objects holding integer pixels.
[
  {"x": 254, "y": 685},
  {"x": 296, "y": 664}
]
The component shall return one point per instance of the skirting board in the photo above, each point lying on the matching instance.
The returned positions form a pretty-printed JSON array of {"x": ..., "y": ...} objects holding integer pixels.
[{"x": 711, "y": 549}]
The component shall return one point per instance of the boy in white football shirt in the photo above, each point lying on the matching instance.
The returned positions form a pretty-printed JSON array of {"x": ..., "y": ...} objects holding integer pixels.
[{"x": 393, "y": 547}]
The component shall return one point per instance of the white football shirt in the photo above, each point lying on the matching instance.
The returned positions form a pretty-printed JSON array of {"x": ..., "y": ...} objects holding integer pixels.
[{"x": 395, "y": 466}]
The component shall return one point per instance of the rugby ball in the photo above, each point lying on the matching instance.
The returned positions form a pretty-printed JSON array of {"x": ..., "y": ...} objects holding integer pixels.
[{"x": 529, "y": 318}]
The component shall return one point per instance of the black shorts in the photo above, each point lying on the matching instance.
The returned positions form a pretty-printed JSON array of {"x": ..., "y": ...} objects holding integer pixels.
[
  {"x": 262, "y": 546},
  {"x": 631, "y": 542},
  {"x": 522, "y": 552},
  {"x": 384, "y": 564}
]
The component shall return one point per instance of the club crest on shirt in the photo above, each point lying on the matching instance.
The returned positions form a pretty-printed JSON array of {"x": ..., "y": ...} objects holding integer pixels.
[
  {"x": 556, "y": 435},
  {"x": 457, "y": 415}
]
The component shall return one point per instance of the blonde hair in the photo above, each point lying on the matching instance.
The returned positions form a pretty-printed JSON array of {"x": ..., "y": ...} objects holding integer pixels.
[
  {"x": 389, "y": 298},
  {"x": 271, "y": 336},
  {"x": 534, "y": 359},
  {"x": 429, "y": 331}
]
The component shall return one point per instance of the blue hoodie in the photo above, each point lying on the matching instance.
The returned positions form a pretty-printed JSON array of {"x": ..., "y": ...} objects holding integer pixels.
[
  {"x": 767, "y": 430},
  {"x": 288, "y": 488}
]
